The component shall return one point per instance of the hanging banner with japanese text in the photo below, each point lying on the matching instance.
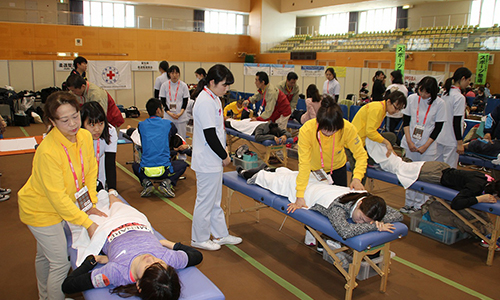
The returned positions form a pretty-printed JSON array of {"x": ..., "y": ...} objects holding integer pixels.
[
  {"x": 312, "y": 71},
  {"x": 144, "y": 65},
  {"x": 64, "y": 65},
  {"x": 400, "y": 58},
  {"x": 340, "y": 72},
  {"x": 250, "y": 69},
  {"x": 110, "y": 75},
  {"x": 281, "y": 70},
  {"x": 482, "y": 68}
]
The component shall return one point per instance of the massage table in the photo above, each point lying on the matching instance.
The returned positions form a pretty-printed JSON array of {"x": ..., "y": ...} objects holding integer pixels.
[
  {"x": 361, "y": 245},
  {"x": 194, "y": 284},
  {"x": 474, "y": 159},
  {"x": 38, "y": 140},
  {"x": 444, "y": 196},
  {"x": 293, "y": 127},
  {"x": 271, "y": 146}
]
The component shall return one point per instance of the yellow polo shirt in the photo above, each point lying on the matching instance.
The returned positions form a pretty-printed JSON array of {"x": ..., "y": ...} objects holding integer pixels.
[{"x": 368, "y": 119}]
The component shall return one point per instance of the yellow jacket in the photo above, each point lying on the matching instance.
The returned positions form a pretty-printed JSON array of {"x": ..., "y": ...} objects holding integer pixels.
[
  {"x": 236, "y": 111},
  {"x": 48, "y": 197},
  {"x": 368, "y": 119},
  {"x": 309, "y": 155}
]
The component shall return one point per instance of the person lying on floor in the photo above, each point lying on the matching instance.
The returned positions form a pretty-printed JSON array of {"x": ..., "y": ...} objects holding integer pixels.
[
  {"x": 339, "y": 204},
  {"x": 473, "y": 186},
  {"x": 135, "y": 261}
]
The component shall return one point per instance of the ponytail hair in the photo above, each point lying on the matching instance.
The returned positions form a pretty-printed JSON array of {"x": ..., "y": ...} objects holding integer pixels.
[
  {"x": 94, "y": 113},
  {"x": 332, "y": 71},
  {"x": 329, "y": 116},
  {"x": 313, "y": 93},
  {"x": 457, "y": 76},
  {"x": 217, "y": 73},
  {"x": 374, "y": 207},
  {"x": 430, "y": 85}
]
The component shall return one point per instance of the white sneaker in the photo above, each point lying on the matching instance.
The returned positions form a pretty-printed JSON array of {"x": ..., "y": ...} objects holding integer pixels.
[
  {"x": 206, "y": 245},
  {"x": 228, "y": 240},
  {"x": 309, "y": 239}
]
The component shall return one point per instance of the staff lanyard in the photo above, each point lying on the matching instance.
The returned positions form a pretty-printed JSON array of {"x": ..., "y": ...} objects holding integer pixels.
[
  {"x": 418, "y": 108},
  {"x": 289, "y": 90},
  {"x": 321, "y": 152},
  {"x": 264, "y": 96},
  {"x": 82, "y": 97},
  {"x": 97, "y": 154},
  {"x": 216, "y": 100},
  {"x": 73, "y": 169},
  {"x": 170, "y": 94}
]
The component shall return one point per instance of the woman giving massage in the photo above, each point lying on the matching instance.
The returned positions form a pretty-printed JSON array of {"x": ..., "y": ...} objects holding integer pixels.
[
  {"x": 135, "y": 261},
  {"x": 368, "y": 212}
]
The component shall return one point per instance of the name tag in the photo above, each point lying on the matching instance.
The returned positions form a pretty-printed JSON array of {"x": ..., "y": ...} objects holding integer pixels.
[
  {"x": 417, "y": 132},
  {"x": 322, "y": 176},
  {"x": 173, "y": 106},
  {"x": 83, "y": 199}
]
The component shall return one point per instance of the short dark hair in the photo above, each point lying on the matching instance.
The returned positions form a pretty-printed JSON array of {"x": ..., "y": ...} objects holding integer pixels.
[
  {"x": 152, "y": 106},
  {"x": 329, "y": 115},
  {"x": 263, "y": 77},
  {"x": 217, "y": 73},
  {"x": 54, "y": 101},
  {"x": 292, "y": 76},
  {"x": 274, "y": 129},
  {"x": 174, "y": 68},
  {"x": 331, "y": 70},
  {"x": 374, "y": 207},
  {"x": 75, "y": 81},
  {"x": 164, "y": 65},
  {"x": 201, "y": 71},
  {"x": 79, "y": 60},
  {"x": 430, "y": 85},
  {"x": 396, "y": 97},
  {"x": 397, "y": 77}
]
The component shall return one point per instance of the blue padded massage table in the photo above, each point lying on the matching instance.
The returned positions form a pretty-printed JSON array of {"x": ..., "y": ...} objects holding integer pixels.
[
  {"x": 471, "y": 159},
  {"x": 195, "y": 285},
  {"x": 362, "y": 245},
  {"x": 444, "y": 196},
  {"x": 271, "y": 146}
]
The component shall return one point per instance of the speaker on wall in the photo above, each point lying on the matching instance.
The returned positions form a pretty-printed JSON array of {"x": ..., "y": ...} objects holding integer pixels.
[{"x": 303, "y": 55}]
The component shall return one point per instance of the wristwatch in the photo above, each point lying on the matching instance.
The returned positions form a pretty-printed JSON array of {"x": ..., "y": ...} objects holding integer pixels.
[{"x": 113, "y": 192}]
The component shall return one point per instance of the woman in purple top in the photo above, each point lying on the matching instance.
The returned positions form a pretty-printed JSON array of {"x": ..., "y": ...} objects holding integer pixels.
[{"x": 136, "y": 262}]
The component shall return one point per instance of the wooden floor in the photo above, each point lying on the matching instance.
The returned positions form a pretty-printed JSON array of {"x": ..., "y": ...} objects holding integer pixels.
[{"x": 449, "y": 272}]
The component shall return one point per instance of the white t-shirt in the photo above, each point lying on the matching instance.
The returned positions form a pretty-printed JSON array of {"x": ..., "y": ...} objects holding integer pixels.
[
  {"x": 454, "y": 106},
  {"x": 174, "y": 93},
  {"x": 402, "y": 88},
  {"x": 103, "y": 148},
  {"x": 436, "y": 114},
  {"x": 331, "y": 87},
  {"x": 160, "y": 80},
  {"x": 207, "y": 113}
]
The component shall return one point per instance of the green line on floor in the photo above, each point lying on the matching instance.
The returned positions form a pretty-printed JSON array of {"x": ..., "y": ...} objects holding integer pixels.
[
  {"x": 285, "y": 284},
  {"x": 24, "y": 131},
  {"x": 441, "y": 278}
]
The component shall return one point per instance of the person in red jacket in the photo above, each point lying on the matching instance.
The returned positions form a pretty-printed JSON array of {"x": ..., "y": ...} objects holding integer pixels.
[{"x": 275, "y": 105}]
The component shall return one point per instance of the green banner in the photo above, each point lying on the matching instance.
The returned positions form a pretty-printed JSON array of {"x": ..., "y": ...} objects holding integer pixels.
[
  {"x": 400, "y": 58},
  {"x": 482, "y": 68}
]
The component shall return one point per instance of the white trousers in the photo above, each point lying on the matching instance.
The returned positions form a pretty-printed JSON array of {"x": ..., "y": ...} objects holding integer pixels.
[
  {"x": 208, "y": 216},
  {"x": 51, "y": 263},
  {"x": 181, "y": 128},
  {"x": 447, "y": 154},
  {"x": 414, "y": 198}
]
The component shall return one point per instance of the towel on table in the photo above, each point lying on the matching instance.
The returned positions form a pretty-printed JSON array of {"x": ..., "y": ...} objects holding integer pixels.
[{"x": 245, "y": 126}]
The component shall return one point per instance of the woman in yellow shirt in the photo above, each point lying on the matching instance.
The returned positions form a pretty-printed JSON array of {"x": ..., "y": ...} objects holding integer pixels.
[
  {"x": 321, "y": 150},
  {"x": 64, "y": 163}
]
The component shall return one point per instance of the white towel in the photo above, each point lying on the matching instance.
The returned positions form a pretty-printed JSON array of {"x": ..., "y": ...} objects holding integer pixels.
[
  {"x": 407, "y": 173},
  {"x": 246, "y": 126},
  {"x": 119, "y": 214}
]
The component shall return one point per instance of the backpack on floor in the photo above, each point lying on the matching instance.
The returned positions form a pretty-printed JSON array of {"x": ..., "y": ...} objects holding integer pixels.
[{"x": 132, "y": 112}]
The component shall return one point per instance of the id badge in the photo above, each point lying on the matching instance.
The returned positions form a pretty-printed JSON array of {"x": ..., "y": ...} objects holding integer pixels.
[
  {"x": 83, "y": 199},
  {"x": 417, "y": 132},
  {"x": 322, "y": 176},
  {"x": 173, "y": 106}
]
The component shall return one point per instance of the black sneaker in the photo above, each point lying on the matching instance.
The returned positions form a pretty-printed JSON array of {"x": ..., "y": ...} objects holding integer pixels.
[{"x": 148, "y": 188}]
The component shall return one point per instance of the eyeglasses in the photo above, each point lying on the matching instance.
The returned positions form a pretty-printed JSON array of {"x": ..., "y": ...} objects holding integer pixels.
[{"x": 397, "y": 108}]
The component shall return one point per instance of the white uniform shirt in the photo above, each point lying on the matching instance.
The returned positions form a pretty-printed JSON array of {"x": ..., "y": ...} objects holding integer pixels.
[
  {"x": 207, "y": 113},
  {"x": 402, "y": 88},
  {"x": 331, "y": 87},
  {"x": 169, "y": 90},
  {"x": 160, "y": 80},
  {"x": 454, "y": 106},
  {"x": 436, "y": 114},
  {"x": 103, "y": 148}
]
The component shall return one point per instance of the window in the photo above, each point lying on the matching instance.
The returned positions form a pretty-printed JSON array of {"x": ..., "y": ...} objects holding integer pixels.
[
  {"x": 108, "y": 14},
  {"x": 484, "y": 13},
  {"x": 334, "y": 23},
  {"x": 224, "y": 22},
  {"x": 377, "y": 19}
]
